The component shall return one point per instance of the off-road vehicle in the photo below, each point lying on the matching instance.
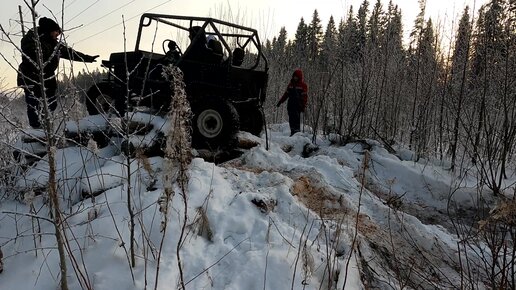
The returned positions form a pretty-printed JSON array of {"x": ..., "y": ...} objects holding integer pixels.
[{"x": 224, "y": 68}]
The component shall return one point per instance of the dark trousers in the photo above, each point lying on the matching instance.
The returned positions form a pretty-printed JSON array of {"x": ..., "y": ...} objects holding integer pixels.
[
  {"x": 294, "y": 120},
  {"x": 34, "y": 100}
]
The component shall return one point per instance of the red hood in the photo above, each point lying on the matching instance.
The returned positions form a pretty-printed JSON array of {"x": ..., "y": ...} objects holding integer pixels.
[{"x": 299, "y": 74}]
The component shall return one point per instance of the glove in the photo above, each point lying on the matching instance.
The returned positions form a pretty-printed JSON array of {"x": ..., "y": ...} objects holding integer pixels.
[{"x": 90, "y": 58}]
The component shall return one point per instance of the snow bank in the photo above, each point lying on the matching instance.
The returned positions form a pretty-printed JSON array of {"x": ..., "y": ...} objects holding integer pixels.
[{"x": 269, "y": 219}]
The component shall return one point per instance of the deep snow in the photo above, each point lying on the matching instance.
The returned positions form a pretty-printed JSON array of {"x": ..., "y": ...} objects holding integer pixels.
[{"x": 269, "y": 219}]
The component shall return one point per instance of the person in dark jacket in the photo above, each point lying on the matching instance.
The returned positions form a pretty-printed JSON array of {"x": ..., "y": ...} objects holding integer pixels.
[
  {"x": 198, "y": 50},
  {"x": 30, "y": 70},
  {"x": 174, "y": 53},
  {"x": 297, "y": 96}
]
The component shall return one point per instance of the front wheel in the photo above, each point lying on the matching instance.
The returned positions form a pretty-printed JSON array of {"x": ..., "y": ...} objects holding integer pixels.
[
  {"x": 101, "y": 99},
  {"x": 215, "y": 124}
]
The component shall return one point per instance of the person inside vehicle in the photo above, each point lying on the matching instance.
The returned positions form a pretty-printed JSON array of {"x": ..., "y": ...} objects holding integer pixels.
[
  {"x": 217, "y": 53},
  {"x": 198, "y": 49},
  {"x": 202, "y": 48},
  {"x": 30, "y": 71},
  {"x": 173, "y": 54},
  {"x": 238, "y": 56}
]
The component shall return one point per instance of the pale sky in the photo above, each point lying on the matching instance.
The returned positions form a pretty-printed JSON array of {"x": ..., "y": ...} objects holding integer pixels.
[{"x": 94, "y": 26}]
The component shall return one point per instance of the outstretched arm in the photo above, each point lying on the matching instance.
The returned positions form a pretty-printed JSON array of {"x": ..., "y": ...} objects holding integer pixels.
[
  {"x": 282, "y": 99},
  {"x": 71, "y": 54}
]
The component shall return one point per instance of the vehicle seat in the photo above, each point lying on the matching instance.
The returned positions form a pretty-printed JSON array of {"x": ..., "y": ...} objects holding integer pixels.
[
  {"x": 216, "y": 50},
  {"x": 238, "y": 56}
]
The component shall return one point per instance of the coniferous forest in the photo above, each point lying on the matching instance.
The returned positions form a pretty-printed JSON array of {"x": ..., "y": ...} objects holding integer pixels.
[{"x": 447, "y": 98}]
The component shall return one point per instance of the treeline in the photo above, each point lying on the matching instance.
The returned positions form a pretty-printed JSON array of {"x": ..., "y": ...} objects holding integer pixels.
[
  {"x": 455, "y": 97},
  {"x": 71, "y": 85}
]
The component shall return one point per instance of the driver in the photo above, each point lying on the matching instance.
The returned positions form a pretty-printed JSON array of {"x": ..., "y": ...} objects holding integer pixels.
[
  {"x": 198, "y": 49},
  {"x": 173, "y": 54}
]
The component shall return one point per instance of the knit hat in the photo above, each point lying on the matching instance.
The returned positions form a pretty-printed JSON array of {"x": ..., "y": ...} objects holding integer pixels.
[
  {"x": 194, "y": 30},
  {"x": 47, "y": 25}
]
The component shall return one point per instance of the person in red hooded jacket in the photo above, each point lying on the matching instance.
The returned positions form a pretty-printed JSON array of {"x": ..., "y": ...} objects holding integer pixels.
[{"x": 297, "y": 96}]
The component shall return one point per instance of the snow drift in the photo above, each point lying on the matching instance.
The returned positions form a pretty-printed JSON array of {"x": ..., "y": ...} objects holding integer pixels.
[{"x": 270, "y": 219}]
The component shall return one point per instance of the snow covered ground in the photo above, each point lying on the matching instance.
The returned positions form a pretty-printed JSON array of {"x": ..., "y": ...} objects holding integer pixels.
[{"x": 270, "y": 219}]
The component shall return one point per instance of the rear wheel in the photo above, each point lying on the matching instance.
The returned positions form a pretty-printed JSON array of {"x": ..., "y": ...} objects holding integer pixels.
[
  {"x": 101, "y": 99},
  {"x": 215, "y": 124}
]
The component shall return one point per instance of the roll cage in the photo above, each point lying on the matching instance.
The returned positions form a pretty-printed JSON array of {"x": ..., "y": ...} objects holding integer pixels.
[{"x": 243, "y": 37}]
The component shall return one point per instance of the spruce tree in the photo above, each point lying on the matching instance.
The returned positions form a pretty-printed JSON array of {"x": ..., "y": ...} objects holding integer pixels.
[
  {"x": 490, "y": 38},
  {"x": 348, "y": 39},
  {"x": 391, "y": 57},
  {"x": 301, "y": 43},
  {"x": 329, "y": 44},
  {"x": 419, "y": 23},
  {"x": 428, "y": 79},
  {"x": 392, "y": 37},
  {"x": 362, "y": 26},
  {"x": 281, "y": 42},
  {"x": 329, "y": 65},
  {"x": 493, "y": 85},
  {"x": 488, "y": 51},
  {"x": 427, "y": 46},
  {"x": 462, "y": 43},
  {"x": 460, "y": 59},
  {"x": 315, "y": 35},
  {"x": 279, "y": 47},
  {"x": 414, "y": 67},
  {"x": 422, "y": 77},
  {"x": 375, "y": 24}
]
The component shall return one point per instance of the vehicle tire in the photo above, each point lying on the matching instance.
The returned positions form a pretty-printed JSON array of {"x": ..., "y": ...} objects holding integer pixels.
[
  {"x": 215, "y": 124},
  {"x": 102, "y": 99},
  {"x": 253, "y": 122}
]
